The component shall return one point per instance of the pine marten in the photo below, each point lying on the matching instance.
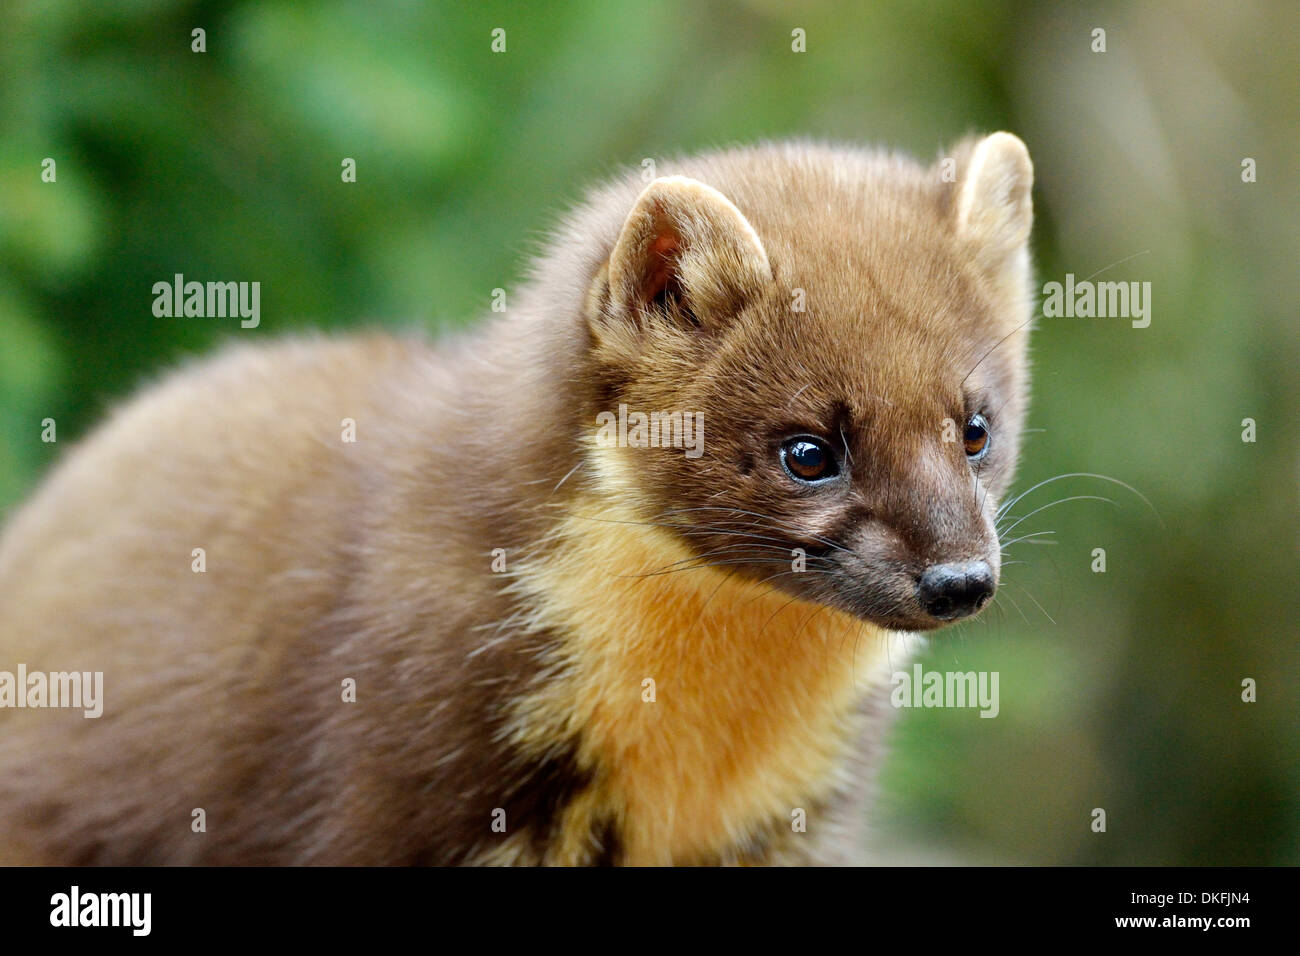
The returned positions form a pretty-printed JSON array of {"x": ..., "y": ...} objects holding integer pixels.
[{"x": 508, "y": 623}]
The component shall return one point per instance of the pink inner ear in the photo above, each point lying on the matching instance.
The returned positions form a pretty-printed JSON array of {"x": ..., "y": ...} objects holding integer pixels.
[{"x": 663, "y": 261}]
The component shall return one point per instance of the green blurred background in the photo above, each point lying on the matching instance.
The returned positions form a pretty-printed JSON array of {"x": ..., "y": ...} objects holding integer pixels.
[{"x": 1119, "y": 690}]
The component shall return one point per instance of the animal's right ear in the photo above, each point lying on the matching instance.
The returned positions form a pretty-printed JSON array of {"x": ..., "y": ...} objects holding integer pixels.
[
  {"x": 993, "y": 208},
  {"x": 685, "y": 254}
]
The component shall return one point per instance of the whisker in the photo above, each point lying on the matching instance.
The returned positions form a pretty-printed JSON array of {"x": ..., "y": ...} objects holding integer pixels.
[
  {"x": 1014, "y": 604},
  {"x": 995, "y": 348},
  {"x": 1081, "y": 474},
  {"x": 1025, "y": 592},
  {"x": 1026, "y": 537},
  {"x": 769, "y": 518},
  {"x": 730, "y": 562},
  {"x": 743, "y": 549},
  {"x": 685, "y": 529},
  {"x": 1058, "y": 501}
]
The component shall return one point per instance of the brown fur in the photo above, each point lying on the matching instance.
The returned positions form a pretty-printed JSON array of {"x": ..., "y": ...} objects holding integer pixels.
[{"x": 523, "y": 690}]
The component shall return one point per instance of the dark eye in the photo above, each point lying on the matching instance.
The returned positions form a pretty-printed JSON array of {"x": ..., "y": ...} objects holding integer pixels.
[
  {"x": 976, "y": 438},
  {"x": 808, "y": 459}
]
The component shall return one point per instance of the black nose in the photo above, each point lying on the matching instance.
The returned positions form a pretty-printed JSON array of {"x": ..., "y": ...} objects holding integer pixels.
[{"x": 950, "y": 591}]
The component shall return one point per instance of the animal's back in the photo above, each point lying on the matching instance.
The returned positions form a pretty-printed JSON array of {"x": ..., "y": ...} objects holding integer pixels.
[{"x": 202, "y": 651}]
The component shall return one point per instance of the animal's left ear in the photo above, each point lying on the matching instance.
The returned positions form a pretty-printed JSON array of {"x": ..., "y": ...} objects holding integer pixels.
[
  {"x": 993, "y": 208},
  {"x": 685, "y": 241}
]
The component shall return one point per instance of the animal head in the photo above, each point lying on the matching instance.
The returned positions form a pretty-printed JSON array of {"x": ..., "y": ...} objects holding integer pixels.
[{"x": 817, "y": 360}]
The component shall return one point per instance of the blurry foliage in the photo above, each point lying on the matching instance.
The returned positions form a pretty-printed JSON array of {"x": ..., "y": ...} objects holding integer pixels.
[{"x": 226, "y": 165}]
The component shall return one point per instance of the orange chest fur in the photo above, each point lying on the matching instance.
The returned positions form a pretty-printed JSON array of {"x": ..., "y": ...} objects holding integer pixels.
[{"x": 707, "y": 707}]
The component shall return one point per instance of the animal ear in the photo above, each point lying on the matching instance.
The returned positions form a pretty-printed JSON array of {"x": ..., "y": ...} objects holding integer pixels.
[
  {"x": 685, "y": 252},
  {"x": 993, "y": 208}
]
